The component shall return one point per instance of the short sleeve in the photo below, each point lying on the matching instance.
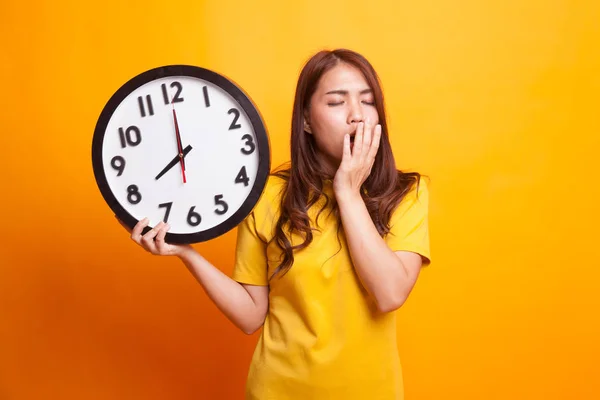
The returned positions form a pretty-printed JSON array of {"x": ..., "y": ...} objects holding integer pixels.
[
  {"x": 409, "y": 225},
  {"x": 250, "y": 254}
]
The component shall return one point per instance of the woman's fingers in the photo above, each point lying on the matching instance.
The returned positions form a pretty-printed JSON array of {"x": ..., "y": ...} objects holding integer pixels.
[
  {"x": 152, "y": 241},
  {"x": 374, "y": 145},
  {"x": 136, "y": 232},
  {"x": 366, "y": 142},
  {"x": 159, "y": 241},
  {"x": 358, "y": 139},
  {"x": 148, "y": 238}
]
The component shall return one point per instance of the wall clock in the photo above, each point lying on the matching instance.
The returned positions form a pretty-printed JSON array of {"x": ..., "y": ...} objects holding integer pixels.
[{"x": 184, "y": 145}]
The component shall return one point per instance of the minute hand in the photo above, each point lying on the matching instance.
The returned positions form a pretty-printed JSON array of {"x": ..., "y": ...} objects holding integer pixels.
[{"x": 173, "y": 162}]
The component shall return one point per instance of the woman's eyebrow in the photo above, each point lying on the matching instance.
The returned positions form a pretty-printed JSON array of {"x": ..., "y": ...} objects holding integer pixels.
[{"x": 345, "y": 92}]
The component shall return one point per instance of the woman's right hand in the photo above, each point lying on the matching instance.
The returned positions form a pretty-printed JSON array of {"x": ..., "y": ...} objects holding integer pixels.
[{"x": 153, "y": 241}]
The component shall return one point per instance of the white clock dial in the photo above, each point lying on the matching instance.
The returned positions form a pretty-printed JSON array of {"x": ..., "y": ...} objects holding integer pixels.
[{"x": 220, "y": 143}]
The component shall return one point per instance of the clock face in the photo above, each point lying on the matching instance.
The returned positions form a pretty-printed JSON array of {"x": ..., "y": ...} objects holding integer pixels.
[{"x": 184, "y": 145}]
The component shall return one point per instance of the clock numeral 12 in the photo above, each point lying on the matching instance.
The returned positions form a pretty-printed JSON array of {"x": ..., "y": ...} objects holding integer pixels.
[{"x": 176, "y": 98}]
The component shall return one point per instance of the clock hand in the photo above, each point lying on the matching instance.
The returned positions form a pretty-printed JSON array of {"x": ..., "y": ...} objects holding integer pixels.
[
  {"x": 179, "y": 146},
  {"x": 174, "y": 161}
]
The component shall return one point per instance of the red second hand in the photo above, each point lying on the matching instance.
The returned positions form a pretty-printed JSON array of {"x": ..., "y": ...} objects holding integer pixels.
[{"x": 179, "y": 144}]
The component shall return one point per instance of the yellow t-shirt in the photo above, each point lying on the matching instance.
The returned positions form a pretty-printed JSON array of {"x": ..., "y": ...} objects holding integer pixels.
[{"x": 322, "y": 338}]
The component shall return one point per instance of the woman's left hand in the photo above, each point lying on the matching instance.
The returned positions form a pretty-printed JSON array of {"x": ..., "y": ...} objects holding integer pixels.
[{"x": 357, "y": 162}]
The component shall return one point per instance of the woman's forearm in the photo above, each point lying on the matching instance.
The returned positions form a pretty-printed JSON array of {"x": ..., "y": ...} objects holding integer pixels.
[
  {"x": 380, "y": 270},
  {"x": 228, "y": 295}
]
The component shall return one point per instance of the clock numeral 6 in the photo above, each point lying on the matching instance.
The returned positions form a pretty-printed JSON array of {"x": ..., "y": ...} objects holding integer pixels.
[
  {"x": 118, "y": 163},
  {"x": 220, "y": 202},
  {"x": 131, "y": 136},
  {"x": 249, "y": 143},
  {"x": 133, "y": 194},
  {"x": 193, "y": 218}
]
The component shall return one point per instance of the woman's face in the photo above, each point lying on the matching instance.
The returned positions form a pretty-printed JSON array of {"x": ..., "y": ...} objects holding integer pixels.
[{"x": 342, "y": 100}]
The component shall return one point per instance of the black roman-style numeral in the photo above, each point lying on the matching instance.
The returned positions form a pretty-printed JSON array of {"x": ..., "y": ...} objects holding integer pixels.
[
  {"x": 206, "y": 99},
  {"x": 148, "y": 105}
]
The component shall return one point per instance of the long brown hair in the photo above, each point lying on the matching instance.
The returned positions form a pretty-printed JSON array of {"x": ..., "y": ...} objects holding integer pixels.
[{"x": 382, "y": 191}]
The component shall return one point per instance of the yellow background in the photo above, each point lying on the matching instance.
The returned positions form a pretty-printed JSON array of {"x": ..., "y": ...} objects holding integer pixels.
[{"x": 497, "y": 101}]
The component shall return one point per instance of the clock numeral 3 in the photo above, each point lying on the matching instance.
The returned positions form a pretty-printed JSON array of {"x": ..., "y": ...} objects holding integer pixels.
[
  {"x": 167, "y": 211},
  {"x": 249, "y": 143},
  {"x": 132, "y": 136},
  {"x": 234, "y": 124},
  {"x": 220, "y": 202},
  {"x": 242, "y": 177},
  {"x": 148, "y": 102},
  {"x": 193, "y": 218},
  {"x": 118, "y": 163},
  {"x": 133, "y": 194},
  {"x": 176, "y": 98}
]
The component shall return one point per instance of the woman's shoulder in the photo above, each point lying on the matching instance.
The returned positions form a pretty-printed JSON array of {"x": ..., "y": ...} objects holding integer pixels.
[
  {"x": 275, "y": 186},
  {"x": 270, "y": 197},
  {"x": 413, "y": 186},
  {"x": 415, "y": 192}
]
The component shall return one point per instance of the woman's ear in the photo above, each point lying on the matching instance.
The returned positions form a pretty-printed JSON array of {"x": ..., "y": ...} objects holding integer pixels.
[{"x": 307, "y": 127}]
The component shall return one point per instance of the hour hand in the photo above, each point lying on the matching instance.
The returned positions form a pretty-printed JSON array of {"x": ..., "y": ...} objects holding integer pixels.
[{"x": 174, "y": 162}]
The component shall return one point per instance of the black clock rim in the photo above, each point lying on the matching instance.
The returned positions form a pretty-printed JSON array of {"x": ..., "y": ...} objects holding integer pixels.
[{"x": 243, "y": 99}]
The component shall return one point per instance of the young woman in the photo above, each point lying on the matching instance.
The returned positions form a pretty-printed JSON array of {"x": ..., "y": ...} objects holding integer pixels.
[{"x": 334, "y": 245}]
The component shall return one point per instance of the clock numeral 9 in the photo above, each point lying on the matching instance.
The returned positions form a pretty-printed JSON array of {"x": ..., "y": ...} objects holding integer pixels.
[
  {"x": 118, "y": 163},
  {"x": 234, "y": 124},
  {"x": 242, "y": 177},
  {"x": 132, "y": 136},
  {"x": 249, "y": 143},
  {"x": 220, "y": 202},
  {"x": 193, "y": 218},
  {"x": 168, "y": 211},
  {"x": 176, "y": 98},
  {"x": 133, "y": 194}
]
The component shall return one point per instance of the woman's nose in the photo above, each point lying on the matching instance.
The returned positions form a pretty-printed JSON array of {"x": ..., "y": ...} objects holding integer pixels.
[{"x": 356, "y": 113}]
